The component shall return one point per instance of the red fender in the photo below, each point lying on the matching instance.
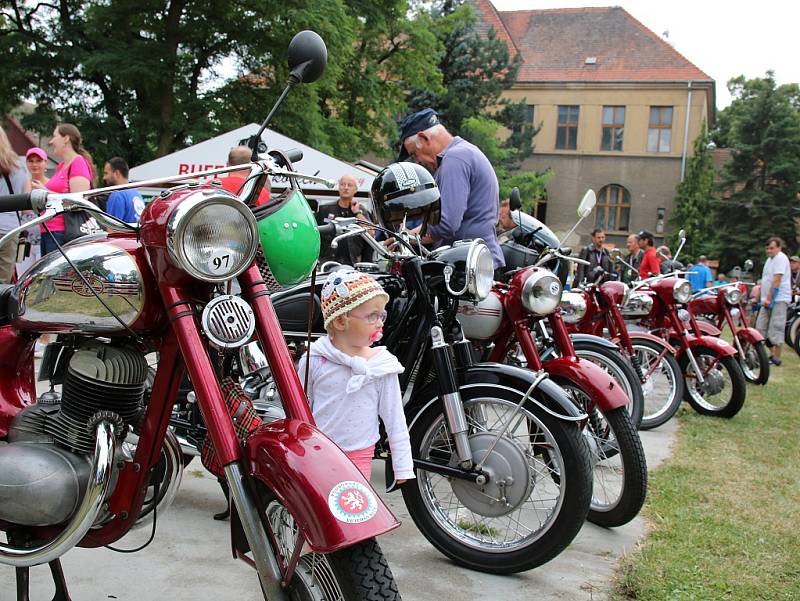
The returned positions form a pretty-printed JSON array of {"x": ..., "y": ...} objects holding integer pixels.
[
  {"x": 717, "y": 345},
  {"x": 653, "y": 338},
  {"x": 708, "y": 329},
  {"x": 592, "y": 379},
  {"x": 309, "y": 475},
  {"x": 750, "y": 335},
  {"x": 17, "y": 378}
]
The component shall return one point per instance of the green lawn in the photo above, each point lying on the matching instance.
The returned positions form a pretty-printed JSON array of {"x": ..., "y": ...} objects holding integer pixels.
[{"x": 724, "y": 510}]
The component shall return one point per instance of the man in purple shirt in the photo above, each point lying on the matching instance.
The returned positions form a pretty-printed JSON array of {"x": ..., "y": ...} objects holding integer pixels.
[{"x": 467, "y": 182}]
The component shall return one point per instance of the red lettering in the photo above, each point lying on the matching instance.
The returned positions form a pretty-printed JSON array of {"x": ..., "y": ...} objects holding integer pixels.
[{"x": 183, "y": 168}]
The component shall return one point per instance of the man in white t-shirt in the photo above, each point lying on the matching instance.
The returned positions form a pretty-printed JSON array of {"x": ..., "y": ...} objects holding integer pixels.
[{"x": 776, "y": 293}]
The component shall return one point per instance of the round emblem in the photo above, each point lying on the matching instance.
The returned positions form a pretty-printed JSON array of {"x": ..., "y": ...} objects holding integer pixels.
[
  {"x": 554, "y": 288},
  {"x": 352, "y": 502}
]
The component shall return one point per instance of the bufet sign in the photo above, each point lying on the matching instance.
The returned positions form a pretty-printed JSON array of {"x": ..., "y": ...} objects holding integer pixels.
[{"x": 213, "y": 153}]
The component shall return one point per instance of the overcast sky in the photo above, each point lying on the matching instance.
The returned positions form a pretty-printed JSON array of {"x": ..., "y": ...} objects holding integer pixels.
[{"x": 723, "y": 38}]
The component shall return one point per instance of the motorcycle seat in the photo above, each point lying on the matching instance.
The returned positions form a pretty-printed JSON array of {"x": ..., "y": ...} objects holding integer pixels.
[{"x": 6, "y": 293}]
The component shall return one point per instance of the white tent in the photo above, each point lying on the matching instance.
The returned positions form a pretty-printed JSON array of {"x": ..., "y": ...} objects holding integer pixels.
[{"x": 213, "y": 153}]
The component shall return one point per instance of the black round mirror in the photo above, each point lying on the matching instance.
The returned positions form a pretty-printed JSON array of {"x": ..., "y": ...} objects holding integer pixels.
[
  {"x": 514, "y": 202},
  {"x": 308, "y": 56}
]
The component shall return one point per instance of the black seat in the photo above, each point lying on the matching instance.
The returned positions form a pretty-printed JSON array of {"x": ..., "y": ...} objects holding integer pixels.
[{"x": 6, "y": 293}]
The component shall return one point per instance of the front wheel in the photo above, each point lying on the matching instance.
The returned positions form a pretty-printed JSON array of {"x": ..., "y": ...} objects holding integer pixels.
[
  {"x": 358, "y": 572},
  {"x": 619, "y": 368},
  {"x": 535, "y": 499},
  {"x": 663, "y": 383},
  {"x": 723, "y": 391},
  {"x": 754, "y": 361}
]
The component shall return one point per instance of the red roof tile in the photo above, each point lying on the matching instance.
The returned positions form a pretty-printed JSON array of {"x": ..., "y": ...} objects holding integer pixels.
[
  {"x": 489, "y": 17},
  {"x": 556, "y": 43}
]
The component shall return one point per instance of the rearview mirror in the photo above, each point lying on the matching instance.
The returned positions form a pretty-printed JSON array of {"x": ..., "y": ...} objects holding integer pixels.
[
  {"x": 514, "y": 202},
  {"x": 587, "y": 204},
  {"x": 308, "y": 56},
  {"x": 616, "y": 254},
  {"x": 748, "y": 265},
  {"x": 682, "y": 235}
]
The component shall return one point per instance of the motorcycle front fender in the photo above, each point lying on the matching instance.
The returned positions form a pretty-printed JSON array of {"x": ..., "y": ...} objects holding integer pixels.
[
  {"x": 592, "y": 379},
  {"x": 634, "y": 335},
  {"x": 312, "y": 478},
  {"x": 594, "y": 339},
  {"x": 718, "y": 345},
  {"x": 750, "y": 335},
  {"x": 708, "y": 329}
]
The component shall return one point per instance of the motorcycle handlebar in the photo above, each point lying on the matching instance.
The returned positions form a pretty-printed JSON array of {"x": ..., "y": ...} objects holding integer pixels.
[
  {"x": 328, "y": 229},
  {"x": 15, "y": 202}
]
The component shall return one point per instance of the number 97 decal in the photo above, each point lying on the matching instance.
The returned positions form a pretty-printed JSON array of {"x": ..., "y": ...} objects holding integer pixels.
[{"x": 220, "y": 262}]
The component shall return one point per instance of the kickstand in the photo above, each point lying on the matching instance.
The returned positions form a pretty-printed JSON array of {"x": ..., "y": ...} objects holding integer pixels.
[{"x": 24, "y": 578}]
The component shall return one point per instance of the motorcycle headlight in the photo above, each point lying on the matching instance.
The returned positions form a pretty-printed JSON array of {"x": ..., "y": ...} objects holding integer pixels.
[
  {"x": 733, "y": 295},
  {"x": 212, "y": 237},
  {"x": 480, "y": 271},
  {"x": 573, "y": 306},
  {"x": 541, "y": 293},
  {"x": 682, "y": 291},
  {"x": 638, "y": 304}
]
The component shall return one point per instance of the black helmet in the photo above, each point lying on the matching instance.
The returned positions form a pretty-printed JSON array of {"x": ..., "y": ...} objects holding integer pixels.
[{"x": 405, "y": 191}]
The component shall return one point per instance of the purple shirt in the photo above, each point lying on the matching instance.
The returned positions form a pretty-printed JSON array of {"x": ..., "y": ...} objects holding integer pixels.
[{"x": 470, "y": 197}]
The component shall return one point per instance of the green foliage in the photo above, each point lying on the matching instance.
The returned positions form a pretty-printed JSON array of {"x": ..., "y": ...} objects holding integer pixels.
[
  {"x": 692, "y": 202},
  {"x": 760, "y": 184}
]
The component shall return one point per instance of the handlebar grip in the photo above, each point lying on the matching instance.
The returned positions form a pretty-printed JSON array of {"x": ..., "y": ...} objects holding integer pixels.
[
  {"x": 328, "y": 229},
  {"x": 15, "y": 202},
  {"x": 295, "y": 155}
]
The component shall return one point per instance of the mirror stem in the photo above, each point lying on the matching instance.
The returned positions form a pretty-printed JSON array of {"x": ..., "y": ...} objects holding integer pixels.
[{"x": 254, "y": 140}]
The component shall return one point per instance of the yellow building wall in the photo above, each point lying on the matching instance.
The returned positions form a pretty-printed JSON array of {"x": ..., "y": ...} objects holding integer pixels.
[{"x": 637, "y": 100}]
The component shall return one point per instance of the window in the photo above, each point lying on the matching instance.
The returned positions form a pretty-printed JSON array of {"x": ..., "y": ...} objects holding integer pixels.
[
  {"x": 659, "y": 135},
  {"x": 567, "y": 133},
  {"x": 529, "y": 114},
  {"x": 613, "y": 127},
  {"x": 613, "y": 208}
]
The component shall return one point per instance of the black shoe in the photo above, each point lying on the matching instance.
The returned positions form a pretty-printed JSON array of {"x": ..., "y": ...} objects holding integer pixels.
[{"x": 775, "y": 361}]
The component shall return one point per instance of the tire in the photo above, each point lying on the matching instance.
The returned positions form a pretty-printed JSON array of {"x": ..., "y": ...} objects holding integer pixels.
[
  {"x": 552, "y": 469},
  {"x": 620, "y": 470},
  {"x": 663, "y": 386},
  {"x": 615, "y": 363},
  {"x": 359, "y": 572},
  {"x": 754, "y": 361},
  {"x": 727, "y": 395},
  {"x": 792, "y": 332}
]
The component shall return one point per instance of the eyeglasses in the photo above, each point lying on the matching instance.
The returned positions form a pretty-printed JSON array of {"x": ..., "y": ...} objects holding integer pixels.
[{"x": 371, "y": 317}]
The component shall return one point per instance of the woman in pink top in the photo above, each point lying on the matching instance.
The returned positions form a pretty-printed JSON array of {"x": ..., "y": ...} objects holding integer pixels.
[{"x": 73, "y": 174}]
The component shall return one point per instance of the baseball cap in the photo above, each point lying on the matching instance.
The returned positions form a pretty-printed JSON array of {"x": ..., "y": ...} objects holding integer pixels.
[
  {"x": 645, "y": 235},
  {"x": 413, "y": 124},
  {"x": 794, "y": 258},
  {"x": 38, "y": 152}
]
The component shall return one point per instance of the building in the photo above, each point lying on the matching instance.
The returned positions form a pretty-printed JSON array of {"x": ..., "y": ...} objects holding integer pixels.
[{"x": 619, "y": 110}]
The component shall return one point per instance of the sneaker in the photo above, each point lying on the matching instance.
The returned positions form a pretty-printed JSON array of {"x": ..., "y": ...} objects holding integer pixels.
[{"x": 774, "y": 361}]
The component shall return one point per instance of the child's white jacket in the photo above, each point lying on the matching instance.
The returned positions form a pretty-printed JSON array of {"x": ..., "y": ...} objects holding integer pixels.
[{"x": 347, "y": 394}]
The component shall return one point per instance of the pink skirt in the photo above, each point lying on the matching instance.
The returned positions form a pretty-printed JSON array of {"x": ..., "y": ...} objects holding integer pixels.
[{"x": 363, "y": 460}]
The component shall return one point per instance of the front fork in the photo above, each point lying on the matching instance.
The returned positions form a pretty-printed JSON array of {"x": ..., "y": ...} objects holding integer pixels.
[{"x": 683, "y": 332}]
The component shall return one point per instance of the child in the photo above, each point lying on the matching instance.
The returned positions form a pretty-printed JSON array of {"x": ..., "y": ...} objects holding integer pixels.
[{"x": 350, "y": 383}]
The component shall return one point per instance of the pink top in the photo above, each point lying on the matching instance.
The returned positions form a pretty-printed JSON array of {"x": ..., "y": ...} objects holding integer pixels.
[{"x": 59, "y": 183}]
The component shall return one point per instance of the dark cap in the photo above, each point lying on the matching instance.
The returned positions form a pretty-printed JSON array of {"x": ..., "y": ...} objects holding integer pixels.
[
  {"x": 413, "y": 124},
  {"x": 645, "y": 235}
]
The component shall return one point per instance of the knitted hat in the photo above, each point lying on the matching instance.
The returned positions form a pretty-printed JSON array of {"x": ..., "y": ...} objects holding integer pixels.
[{"x": 346, "y": 289}]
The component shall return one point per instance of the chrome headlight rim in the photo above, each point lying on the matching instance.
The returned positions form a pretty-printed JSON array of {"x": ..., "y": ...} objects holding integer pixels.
[
  {"x": 638, "y": 304},
  {"x": 682, "y": 291},
  {"x": 553, "y": 287},
  {"x": 573, "y": 306},
  {"x": 180, "y": 220},
  {"x": 733, "y": 296},
  {"x": 479, "y": 279}
]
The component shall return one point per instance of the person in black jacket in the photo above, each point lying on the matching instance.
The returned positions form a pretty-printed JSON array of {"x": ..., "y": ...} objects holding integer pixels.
[{"x": 596, "y": 254}]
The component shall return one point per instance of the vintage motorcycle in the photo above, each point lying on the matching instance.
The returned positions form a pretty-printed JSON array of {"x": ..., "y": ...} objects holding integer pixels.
[
  {"x": 503, "y": 325},
  {"x": 503, "y": 478},
  {"x": 303, "y": 515}
]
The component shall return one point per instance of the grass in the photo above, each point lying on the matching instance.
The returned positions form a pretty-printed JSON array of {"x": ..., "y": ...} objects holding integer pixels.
[
  {"x": 480, "y": 529},
  {"x": 724, "y": 510}
]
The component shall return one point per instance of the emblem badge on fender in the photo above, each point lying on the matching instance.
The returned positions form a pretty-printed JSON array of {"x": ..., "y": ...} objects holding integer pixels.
[{"x": 352, "y": 502}]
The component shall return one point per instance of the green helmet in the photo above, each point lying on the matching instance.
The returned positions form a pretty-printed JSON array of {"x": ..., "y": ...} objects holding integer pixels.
[{"x": 289, "y": 239}]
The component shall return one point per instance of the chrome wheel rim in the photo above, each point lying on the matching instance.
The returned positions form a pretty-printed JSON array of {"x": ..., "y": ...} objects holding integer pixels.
[
  {"x": 533, "y": 516},
  {"x": 751, "y": 366},
  {"x": 611, "y": 369},
  {"x": 660, "y": 387},
  {"x": 715, "y": 393}
]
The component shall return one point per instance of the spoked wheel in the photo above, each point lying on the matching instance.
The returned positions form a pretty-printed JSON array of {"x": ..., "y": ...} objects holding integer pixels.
[
  {"x": 619, "y": 368},
  {"x": 359, "y": 572},
  {"x": 534, "y": 500},
  {"x": 754, "y": 361},
  {"x": 620, "y": 469},
  {"x": 663, "y": 385},
  {"x": 723, "y": 391}
]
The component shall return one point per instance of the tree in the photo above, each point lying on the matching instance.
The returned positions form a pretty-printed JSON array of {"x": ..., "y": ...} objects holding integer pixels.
[
  {"x": 760, "y": 183},
  {"x": 693, "y": 201}
]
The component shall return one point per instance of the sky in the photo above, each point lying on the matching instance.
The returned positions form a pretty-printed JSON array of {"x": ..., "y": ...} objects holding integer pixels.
[{"x": 724, "y": 39}]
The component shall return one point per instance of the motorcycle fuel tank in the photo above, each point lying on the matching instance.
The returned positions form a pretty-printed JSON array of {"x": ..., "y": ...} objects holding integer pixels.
[
  {"x": 480, "y": 320},
  {"x": 52, "y": 297}
]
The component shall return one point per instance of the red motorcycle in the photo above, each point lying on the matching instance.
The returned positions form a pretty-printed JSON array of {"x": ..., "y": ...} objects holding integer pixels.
[
  {"x": 503, "y": 323},
  {"x": 302, "y": 514},
  {"x": 723, "y": 306},
  {"x": 600, "y": 309},
  {"x": 713, "y": 380}
]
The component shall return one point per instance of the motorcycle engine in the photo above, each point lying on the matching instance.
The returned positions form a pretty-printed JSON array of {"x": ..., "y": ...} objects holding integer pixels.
[{"x": 44, "y": 468}]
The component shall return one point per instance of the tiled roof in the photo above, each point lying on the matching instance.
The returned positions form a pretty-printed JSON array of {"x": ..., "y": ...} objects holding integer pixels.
[
  {"x": 489, "y": 17},
  {"x": 556, "y": 43}
]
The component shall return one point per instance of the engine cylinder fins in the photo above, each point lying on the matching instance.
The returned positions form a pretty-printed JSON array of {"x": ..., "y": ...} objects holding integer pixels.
[{"x": 228, "y": 321}]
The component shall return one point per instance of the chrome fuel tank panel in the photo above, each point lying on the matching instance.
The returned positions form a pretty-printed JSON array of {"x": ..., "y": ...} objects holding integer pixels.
[{"x": 53, "y": 298}]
